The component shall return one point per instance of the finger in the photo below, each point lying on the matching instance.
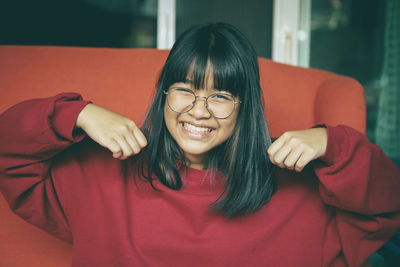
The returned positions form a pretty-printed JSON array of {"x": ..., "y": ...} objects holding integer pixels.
[
  {"x": 133, "y": 143},
  {"x": 140, "y": 138},
  {"x": 274, "y": 147},
  {"x": 304, "y": 159},
  {"x": 114, "y": 147},
  {"x": 125, "y": 147},
  {"x": 281, "y": 155},
  {"x": 292, "y": 158}
]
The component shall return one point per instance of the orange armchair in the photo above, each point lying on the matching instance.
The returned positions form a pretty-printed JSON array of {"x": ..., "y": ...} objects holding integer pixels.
[{"x": 124, "y": 80}]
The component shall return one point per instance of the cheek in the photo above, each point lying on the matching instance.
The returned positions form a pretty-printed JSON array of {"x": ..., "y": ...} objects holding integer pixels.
[{"x": 228, "y": 128}]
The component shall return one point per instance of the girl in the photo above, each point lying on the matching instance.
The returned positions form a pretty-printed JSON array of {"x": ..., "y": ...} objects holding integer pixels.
[{"x": 196, "y": 185}]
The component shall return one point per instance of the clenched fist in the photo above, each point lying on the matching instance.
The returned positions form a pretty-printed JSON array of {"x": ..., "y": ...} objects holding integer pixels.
[
  {"x": 294, "y": 150},
  {"x": 113, "y": 131}
]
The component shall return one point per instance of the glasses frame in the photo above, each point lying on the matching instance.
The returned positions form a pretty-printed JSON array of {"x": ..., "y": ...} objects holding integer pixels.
[{"x": 206, "y": 102}]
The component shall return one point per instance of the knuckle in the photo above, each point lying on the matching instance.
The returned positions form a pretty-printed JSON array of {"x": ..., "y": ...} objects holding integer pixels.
[
  {"x": 286, "y": 135},
  {"x": 136, "y": 151},
  {"x": 114, "y": 149},
  {"x": 123, "y": 128},
  {"x": 272, "y": 159},
  {"x": 277, "y": 160},
  {"x": 126, "y": 152},
  {"x": 115, "y": 136},
  {"x": 104, "y": 140},
  {"x": 289, "y": 165},
  {"x": 117, "y": 154},
  {"x": 303, "y": 146},
  {"x": 144, "y": 143},
  {"x": 313, "y": 152},
  {"x": 300, "y": 165},
  {"x": 294, "y": 141},
  {"x": 131, "y": 124},
  {"x": 141, "y": 140}
]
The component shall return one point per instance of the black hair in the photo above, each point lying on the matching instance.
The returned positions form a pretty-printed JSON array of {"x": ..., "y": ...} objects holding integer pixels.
[{"x": 243, "y": 157}]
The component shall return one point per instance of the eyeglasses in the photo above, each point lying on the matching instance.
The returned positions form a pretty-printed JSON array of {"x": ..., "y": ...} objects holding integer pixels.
[{"x": 182, "y": 100}]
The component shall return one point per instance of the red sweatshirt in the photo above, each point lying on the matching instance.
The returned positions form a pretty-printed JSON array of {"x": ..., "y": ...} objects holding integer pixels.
[{"x": 334, "y": 214}]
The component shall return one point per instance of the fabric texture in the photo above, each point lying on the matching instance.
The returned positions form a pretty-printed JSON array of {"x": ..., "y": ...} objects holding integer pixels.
[{"x": 336, "y": 213}]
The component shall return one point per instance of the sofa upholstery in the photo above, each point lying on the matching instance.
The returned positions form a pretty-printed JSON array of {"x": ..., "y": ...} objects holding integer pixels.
[{"x": 124, "y": 80}]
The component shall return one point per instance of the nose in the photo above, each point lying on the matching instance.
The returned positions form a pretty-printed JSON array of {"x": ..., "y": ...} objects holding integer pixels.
[{"x": 199, "y": 110}]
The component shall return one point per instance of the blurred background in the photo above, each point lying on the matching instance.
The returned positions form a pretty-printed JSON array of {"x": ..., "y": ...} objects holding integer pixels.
[{"x": 358, "y": 38}]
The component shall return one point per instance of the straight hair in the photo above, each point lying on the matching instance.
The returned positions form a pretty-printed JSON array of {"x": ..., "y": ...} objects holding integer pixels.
[{"x": 243, "y": 157}]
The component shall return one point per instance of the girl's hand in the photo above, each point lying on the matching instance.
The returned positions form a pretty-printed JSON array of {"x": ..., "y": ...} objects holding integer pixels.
[
  {"x": 295, "y": 149},
  {"x": 113, "y": 131}
]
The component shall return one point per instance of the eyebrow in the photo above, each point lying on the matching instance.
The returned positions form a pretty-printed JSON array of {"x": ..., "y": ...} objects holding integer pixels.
[{"x": 191, "y": 82}]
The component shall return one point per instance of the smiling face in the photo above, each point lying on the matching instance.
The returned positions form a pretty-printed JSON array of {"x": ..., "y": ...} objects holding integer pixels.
[{"x": 197, "y": 131}]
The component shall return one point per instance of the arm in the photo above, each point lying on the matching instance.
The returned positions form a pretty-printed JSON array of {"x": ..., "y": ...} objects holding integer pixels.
[
  {"x": 34, "y": 132},
  {"x": 364, "y": 185},
  {"x": 357, "y": 180},
  {"x": 359, "y": 176},
  {"x": 31, "y": 134}
]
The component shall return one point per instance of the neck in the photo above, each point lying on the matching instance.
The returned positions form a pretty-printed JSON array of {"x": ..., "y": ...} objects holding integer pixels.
[
  {"x": 197, "y": 166},
  {"x": 195, "y": 161}
]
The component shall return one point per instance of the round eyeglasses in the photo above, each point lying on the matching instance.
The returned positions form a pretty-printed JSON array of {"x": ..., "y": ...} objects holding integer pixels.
[{"x": 182, "y": 100}]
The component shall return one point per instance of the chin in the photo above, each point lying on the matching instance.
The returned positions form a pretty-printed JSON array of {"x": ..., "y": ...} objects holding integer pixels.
[{"x": 196, "y": 151}]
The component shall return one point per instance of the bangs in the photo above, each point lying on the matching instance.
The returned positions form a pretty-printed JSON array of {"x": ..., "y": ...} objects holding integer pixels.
[{"x": 206, "y": 62}]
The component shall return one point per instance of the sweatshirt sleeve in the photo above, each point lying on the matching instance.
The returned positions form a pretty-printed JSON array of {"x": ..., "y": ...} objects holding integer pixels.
[
  {"x": 363, "y": 185},
  {"x": 32, "y": 133}
]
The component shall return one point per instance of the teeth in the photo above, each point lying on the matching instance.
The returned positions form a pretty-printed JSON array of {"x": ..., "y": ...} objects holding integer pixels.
[{"x": 196, "y": 129}]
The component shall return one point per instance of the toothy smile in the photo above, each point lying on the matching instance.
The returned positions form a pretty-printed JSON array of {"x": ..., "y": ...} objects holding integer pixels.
[{"x": 196, "y": 129}]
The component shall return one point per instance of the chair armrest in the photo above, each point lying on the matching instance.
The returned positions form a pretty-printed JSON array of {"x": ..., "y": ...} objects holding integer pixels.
[{"x": 340, "y": 100}]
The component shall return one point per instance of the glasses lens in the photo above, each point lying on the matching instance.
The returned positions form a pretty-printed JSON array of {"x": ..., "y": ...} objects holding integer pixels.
[
  {"x": 221, "y": 105},
  {"x": 180, "y": 99}
]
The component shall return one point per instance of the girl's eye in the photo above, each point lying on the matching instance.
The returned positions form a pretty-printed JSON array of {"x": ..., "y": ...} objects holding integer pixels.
[
  {"x": 183, "y": 91},
  {"x": 221, "y": 97}
]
